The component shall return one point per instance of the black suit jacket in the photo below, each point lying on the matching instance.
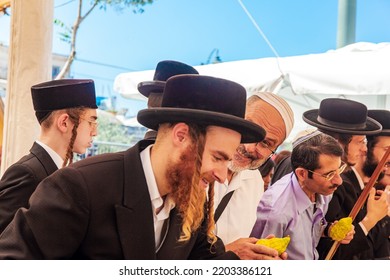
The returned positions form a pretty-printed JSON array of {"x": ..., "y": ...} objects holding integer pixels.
[
  {"x": 98, "y": 208},
  {"x": 284, "y": 167},
  {"x": 20, "y": 181},
  {"x": 372, "y": 246}
]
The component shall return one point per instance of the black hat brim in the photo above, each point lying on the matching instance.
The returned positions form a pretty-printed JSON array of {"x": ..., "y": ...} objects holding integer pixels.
[
  {"x": 145, "y": 88},
  {"x": 371, "y": 126},
  {"x": 152, "y": 118}
]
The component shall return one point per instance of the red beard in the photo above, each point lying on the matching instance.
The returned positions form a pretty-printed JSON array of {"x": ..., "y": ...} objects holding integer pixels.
[{"x": 180, "y": 176}]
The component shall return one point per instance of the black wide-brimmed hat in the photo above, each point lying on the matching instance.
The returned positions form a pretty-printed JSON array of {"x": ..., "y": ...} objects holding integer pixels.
[
  {"x": 164, "y": 70},
  {"x": 62, "y": 94},
  {"x": 205, "y": 101},
  {"x": 383, "y": 117},
  {"x": 342, "y": 116}
]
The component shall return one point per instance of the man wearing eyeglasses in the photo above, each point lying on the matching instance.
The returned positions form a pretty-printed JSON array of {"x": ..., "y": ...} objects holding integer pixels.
[
  {"x": 66, "y": 112},
  {"x": 372, "y": 229},
  {"x": 236, "y": 200},
  {"x": 296, "y": 205}
]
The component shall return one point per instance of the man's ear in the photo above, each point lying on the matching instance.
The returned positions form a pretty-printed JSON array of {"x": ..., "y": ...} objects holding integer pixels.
[
  {"x": 63, "y": 122},
  {"x": 301, "y": 173},
  {"x": 180, "y": 133}
]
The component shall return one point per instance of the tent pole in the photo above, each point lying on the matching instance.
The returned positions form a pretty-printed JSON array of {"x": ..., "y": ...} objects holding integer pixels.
[{"x": 346, "y": 23}]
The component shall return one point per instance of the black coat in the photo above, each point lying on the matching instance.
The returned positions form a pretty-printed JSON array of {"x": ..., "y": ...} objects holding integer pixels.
[
  {"x": 372, "y": 246},
  {"x": 98, "y": 208},
  {"x": 282, "y": 168},
  {"x": 20, "y": 181}
]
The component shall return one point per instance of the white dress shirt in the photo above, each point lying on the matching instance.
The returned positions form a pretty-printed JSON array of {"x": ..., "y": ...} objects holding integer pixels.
[
  {"x": 160, "y": 215},
  {"x": 239, "y": 216},
  {"x": 58, "y": 160}
]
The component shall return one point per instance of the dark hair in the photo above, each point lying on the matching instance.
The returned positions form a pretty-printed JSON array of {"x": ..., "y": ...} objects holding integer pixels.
[
  {"x": 74, "y": 115},
  {"x": 343, "y": 138},
  {"x": 266, "y": 168},
  {"x": 281, "y": 155},
  {"x": 371, "y": 162},
  {"x": 307, "y": 153}
]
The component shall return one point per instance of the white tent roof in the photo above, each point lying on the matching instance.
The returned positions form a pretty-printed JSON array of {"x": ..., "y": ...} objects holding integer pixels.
[{"x": 360, "y": 71}]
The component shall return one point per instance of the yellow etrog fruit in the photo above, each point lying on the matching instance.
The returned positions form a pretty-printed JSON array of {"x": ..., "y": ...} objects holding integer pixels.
[
  {"x": 340, "y": 230},
  {"x": 279, "y": 244}
]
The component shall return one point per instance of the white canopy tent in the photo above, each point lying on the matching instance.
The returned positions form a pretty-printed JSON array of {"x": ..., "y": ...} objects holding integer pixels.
[{"x": 359, "y": 71}]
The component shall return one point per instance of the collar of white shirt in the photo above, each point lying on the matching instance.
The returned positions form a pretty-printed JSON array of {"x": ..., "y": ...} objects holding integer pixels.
[
  {"x": 58, "y": 160},
  {"x": 155, "y": 197}
]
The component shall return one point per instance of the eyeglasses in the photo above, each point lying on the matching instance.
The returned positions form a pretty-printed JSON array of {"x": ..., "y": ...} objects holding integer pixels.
[
  {"x": 92, "y": 124},
  {"x": 362, "y": 142},
  {"x": 264, "y": 145},
  {"x": 329, "y": 176}
]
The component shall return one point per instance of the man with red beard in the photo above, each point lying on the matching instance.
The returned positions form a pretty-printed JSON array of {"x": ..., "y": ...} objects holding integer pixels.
[
  {"x": 295, "y": 206},
  {"x": 148, "y": 202},
  {"x": 372, "y": 229}
]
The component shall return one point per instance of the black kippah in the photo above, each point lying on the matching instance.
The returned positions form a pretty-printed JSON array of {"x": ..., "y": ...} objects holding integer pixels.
[{"x": 62, "y": 94}]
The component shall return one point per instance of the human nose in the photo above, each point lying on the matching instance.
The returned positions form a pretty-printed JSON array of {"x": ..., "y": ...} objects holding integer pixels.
[
  {"x": 251, "y": 148},
  {"x": 94, "y": 131},
  {"x": 221, "y": 172},
  {"x": 337, "y": 179}
]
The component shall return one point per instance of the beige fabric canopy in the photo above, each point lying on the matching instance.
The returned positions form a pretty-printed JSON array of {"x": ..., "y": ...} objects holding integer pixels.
[{"x": 29, "y": 63}]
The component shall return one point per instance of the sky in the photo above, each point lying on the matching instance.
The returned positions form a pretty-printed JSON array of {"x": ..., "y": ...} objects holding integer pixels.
[{"x": 112, "y": 42}]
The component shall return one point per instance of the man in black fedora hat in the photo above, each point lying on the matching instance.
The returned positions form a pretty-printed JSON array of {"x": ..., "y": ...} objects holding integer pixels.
[
  {"x": 346, "y": 121},
  {"x": 153, "y": 90},
  {"x": 372, "y": 233},
  {"x": 66, "y": 112},
  {"x": 148, "y": 202}
]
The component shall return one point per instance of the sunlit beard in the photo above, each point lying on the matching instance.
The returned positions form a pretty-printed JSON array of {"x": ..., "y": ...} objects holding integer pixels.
[
  {"x": 254, "y": 161},
  {"x": 369, "y": 167},
  {"x": 179, "y": 176}
]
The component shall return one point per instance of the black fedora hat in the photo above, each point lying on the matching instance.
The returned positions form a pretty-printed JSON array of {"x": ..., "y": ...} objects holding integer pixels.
[
  {"x": 62, "y": 94},
  {"x": 342, "y": 116},
  {"x": 205, "y": 101},
  {"x": 164, "y": 70},
  {"x": 383, "y": 117}
]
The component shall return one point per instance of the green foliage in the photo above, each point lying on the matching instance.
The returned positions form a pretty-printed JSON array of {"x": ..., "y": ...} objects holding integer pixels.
[
  {"x": 112, "y": 131},
  {"x": 135, "y": 5},
  {"x": 66, "y": 34}
]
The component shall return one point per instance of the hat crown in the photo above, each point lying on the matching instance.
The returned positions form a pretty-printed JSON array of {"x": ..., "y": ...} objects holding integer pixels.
[
  {"x": 342, "y": 111},
  {"x": 205, "y": 93},
  {"x": 342, "y": 116},
  {"x": 205, "y": 101},
  {"x": 169, "y": 68},
  {"x": 164, "y": 70},
  {"x": 62, "y": 94},
  {"x": 383, "y": 117}
]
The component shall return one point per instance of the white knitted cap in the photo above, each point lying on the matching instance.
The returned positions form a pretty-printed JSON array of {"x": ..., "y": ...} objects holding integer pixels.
[{"x": 281, "y": 106}]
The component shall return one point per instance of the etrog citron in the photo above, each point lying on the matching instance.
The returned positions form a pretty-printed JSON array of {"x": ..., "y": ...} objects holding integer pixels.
[
  {"x": 340, "y": 229},
  {"x": 279, "y": 244}
]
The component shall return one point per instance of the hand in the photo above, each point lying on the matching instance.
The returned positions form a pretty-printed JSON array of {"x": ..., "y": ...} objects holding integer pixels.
[
  {"x": 349, "y": 236},
  {"x": 376, "y": 209},
  {"x": 246, "y": 249}
]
